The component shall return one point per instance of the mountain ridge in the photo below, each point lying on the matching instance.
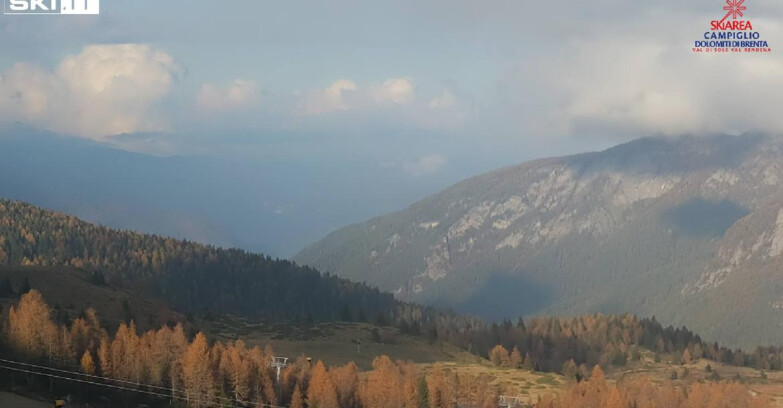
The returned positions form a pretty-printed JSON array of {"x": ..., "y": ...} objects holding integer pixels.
[{"x": 625, "y": 229}]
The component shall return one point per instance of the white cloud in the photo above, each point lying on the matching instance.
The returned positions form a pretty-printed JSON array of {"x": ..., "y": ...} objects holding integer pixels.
[
  {"x": 657, "y": 85},
  {"x": 452, "y": 109},
  {"x": 104, "y": 90},
  {"x": 236, "y": 95},
  {"x": 345, "y": 95},
  {"x": 445, "y": 100},
  {"x": 332, "y": 98},
  {"x": 393, "y": 91},
  {"x": 633, "y": 78},
  {"x": 424, "y": 165}
]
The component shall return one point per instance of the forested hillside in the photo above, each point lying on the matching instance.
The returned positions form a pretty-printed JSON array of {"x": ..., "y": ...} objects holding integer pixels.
[
  {"x": 165, "y": 367},
  {"x": 189, "y": 276}
]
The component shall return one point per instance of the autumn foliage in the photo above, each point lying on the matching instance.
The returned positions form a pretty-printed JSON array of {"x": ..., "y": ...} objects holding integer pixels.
[
  {"x": 641, "y": 393},
  {"x": 203, "y": 374}
]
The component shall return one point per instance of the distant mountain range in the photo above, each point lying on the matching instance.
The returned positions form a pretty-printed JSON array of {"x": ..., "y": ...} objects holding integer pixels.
[
  {"x": 261, "y": 204},
  {"x": 687, "y": 229}
]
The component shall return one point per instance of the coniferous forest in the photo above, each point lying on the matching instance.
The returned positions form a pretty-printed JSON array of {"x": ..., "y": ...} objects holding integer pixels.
[{"x": 190, "y": 276}]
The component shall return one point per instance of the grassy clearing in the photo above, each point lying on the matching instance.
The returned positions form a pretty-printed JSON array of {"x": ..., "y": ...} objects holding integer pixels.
[
  {"x": 764, "y": 384},
  {"x": 527, "y": 385},
  {"x": 334, "y": 343}
]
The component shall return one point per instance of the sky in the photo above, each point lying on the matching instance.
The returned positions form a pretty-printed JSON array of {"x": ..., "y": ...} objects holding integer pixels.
[
  {"x": 427, "y": 91},
  {"x": 431, "y": 76}
]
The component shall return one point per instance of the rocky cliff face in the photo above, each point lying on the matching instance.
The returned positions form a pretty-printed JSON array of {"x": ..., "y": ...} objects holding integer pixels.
[{"x": 688, "y": 229}]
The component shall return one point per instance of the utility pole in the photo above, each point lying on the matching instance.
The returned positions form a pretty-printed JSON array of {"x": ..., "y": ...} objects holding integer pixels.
[
  {"x": 358, "y": 343},
  {"x": 51, "y": 379},
  {"x": 278, "y": 363},
  {"x": 506, "y": 401}
]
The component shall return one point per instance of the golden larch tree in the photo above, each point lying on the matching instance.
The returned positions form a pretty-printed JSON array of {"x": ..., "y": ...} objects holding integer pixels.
[
  {"x": 197, "y": 373},
  {"x": 346, "y": 381},
  {"x": 87, "y": 364},
  {"x": 321, "y": 393},
  {"x": 296, "y": 398}
]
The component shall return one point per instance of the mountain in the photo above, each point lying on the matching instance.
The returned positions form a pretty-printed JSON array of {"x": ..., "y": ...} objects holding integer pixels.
[
  {"x": 188, "y": 276},
  {"x": 259, "y": 202},
  {"x": 687, "y": 229}
]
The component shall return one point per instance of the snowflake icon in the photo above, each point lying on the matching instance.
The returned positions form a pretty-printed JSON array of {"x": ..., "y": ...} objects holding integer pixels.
[{"x": 734, "y": 8}]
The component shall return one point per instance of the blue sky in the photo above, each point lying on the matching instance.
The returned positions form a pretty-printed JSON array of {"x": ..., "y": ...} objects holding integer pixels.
[
  {"x": 499, "y": 74},
  {"x": 425, "y": 92}
]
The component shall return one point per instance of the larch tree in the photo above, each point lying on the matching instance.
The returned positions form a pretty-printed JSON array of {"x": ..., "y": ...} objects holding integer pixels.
[
  {"x": 346, "y": 381},
  {"x": 410, "y": 385},
  {"x": 178, "y": 344},
  {"x": 614, "y": 399},
  {"x": 515, "y": 358},
  {"x": 80, "y": 336},
  {"x": 296, "y": 398},
  {"x": 383, "y": 386},
  {"x": 237, "y": 369},
  {"x": 321, "y": 393},
  {"x": 104, "y": 357},
  {"x": 87, "y": 364},
  {"x": 441, "y": 394},
  {"x": 30, "y": 329},
  {"x": 197, "y": 373},
  {"x": 499, "y": 356}
]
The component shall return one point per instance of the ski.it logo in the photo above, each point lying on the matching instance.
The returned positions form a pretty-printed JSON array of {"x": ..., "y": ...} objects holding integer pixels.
[{"x": 51, "y": 6}]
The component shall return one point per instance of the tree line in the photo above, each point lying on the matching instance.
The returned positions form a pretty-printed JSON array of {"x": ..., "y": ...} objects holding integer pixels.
[
  {"x": 235, "y": 374},
  {"x": 572, "y": 345}
]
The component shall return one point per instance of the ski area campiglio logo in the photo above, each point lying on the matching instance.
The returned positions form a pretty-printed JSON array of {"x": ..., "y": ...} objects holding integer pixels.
[{"x": 732, "y": 33}]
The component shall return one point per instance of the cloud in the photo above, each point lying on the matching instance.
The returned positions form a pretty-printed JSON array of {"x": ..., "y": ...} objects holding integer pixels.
[
  {"x": 451, "y": 109},
  {"x": 424, "y": 165},
  {"x": 648, "y": 84},
  {"x": 445, "y": 100},
  {"x": 393, "y": 91},
  {"x": 236, "y": 95},
  {"x": 632, "y": 78},
  {"x": 332, "y": 98},
  {"x": 345, "y": 95},
  {"x": 104, "y": 90}
]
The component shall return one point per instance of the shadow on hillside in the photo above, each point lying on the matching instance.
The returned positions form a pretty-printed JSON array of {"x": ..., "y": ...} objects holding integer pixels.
[
  {"x": 701, "y": 218},
  {"x": 504, "y": 296}
]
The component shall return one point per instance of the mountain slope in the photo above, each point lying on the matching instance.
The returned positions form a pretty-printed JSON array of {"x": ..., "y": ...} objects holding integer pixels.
[
  {"x": 71, "y": 291},
  {"x": 687, "y": 229},
  {"x": 191, "y": 277}
]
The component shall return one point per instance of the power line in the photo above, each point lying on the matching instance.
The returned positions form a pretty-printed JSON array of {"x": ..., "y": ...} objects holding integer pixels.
[
  {"x": 115, "y": 380},
  {"x": 171, "y": 394},
  {"x": 117, "y": 387}
]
